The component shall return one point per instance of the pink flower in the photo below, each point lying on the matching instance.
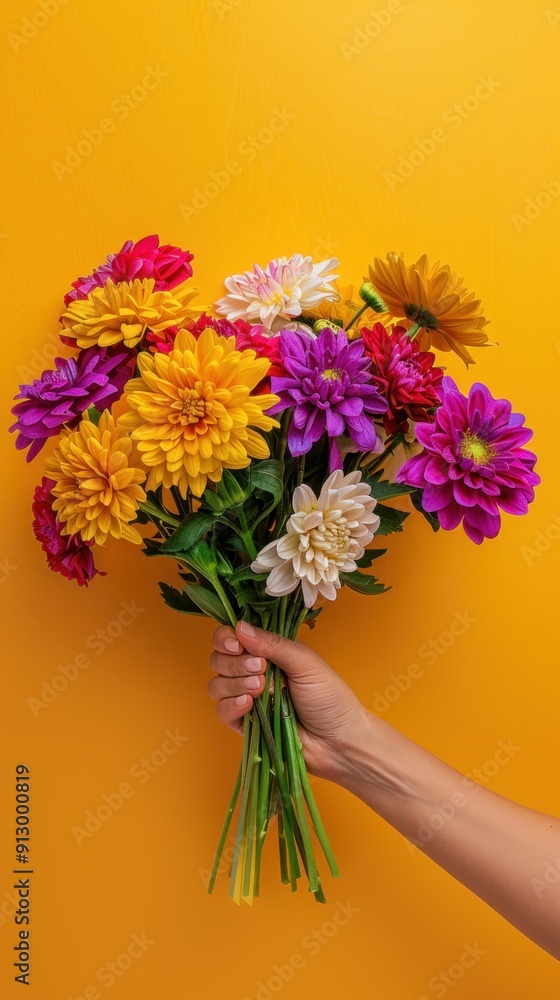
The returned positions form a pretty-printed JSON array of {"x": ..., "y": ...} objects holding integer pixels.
[
  {"x": 66, "y": 554},
  {"x": 168, "y": 265}
]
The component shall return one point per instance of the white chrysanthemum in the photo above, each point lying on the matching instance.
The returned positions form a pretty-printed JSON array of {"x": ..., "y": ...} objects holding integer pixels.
[
  {"x": 284, "y": 289},
  {"x": 326, "y": 536}
]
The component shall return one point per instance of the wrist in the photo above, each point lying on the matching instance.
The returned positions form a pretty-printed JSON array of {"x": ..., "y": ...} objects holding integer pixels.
[{"x": 369, "y": 759}]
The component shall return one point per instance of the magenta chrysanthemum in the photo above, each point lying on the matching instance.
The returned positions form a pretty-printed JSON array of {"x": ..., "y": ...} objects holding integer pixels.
[
  {"x": 168, "y": 265},
  {"x": 330, "y": 385},
  {"x": 66, "y": 554},
  {"x": 474, "y": 463},
  {"x": 95, "y": 378}
]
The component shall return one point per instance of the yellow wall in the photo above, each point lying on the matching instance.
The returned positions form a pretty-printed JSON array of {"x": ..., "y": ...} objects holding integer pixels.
[{"x": 353, "y": 96}]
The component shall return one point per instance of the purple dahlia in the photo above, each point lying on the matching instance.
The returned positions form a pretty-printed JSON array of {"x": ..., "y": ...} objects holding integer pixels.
[
  {"x": 168, "y": 265},
  {"x": 66, "y": 554},
  {"x": 95, "y": 378},
  {"x": 473, "y": 464},
  {"x": 330, "y": 386}
]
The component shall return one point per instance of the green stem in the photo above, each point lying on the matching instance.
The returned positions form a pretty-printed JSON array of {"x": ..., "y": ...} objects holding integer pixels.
[
  {"x": 414, "y": 330},
  {"x": 225, "y": 829},
  {"x": 162, "y": 515},
  {"x": 225, "y": 600},
  {"x": 358, "y": 314},
  {"x": 241, "y": 839},
  {"x": 297, "y": 794},
  {"x": 246, "y": 534},
  {"x": 311, "y": 804}
]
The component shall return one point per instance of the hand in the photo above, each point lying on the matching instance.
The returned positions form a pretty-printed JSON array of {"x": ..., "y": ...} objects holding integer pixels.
[{"x": 331, "y": 718}]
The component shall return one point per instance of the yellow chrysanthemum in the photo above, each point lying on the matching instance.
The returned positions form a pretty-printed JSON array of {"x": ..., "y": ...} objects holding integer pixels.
[
  {"x": 449, "y": 316},
  {"x": 192, "y": 413},
  {"x": 97, "y": 475},
  {"x": 124, "y": 311}
]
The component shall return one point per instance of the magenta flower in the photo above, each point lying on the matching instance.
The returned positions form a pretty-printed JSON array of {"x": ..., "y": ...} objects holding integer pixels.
[
  {"x": 95, "y": 378},
  {"x": 330, "y": 386},
  {"x": 66, "y": 554},
  {"x": 146, "y": 259},
  {"x": 473, "y": 464}
]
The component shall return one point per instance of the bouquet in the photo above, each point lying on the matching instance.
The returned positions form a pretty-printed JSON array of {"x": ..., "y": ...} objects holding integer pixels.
[{"x": 262, "y": 443}]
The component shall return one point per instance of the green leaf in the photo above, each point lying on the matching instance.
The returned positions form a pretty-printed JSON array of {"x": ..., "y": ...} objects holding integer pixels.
[
  {"x": 245, "y": 573},
  {"x": 208, "y": 602},
  {"x": 200, "y": 557},
  {"x": 391, "y": 519},
  {"x": 432, "y": 519},
  {"x": 189, "y": 532},
  {"x": 362, "y": 583},
  {"x": 368, "y": 557},
  {"x": 383, "y": 489},
  {"x": 309, "y": 619},
  {"x": 94, "y": 414},
  {"x": 178, "y": 601},
  {"x": 268, "y": 476}
]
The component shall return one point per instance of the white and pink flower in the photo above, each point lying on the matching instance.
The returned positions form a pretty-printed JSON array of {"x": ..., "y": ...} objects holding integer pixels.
[{"x": 280, "y": 292}]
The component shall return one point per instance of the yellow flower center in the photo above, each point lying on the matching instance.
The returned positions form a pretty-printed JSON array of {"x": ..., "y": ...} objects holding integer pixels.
[
  {"x": 194, "y": 407},
  {"x": 476, "y": 449},
  {"x": 330, "y": 374}
]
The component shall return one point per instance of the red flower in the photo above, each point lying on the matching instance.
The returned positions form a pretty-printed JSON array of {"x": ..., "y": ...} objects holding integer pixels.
[
  {"x": 404, "y": 374},
  {"x": 66, "y": 554},
  {"x": 249, "y": 336}
]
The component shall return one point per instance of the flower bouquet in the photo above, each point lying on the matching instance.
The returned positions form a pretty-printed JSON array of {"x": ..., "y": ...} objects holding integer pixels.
[{"x": 262, "y": 443}]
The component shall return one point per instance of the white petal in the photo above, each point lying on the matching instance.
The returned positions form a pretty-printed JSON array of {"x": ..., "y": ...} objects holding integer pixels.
[
  {"x": 281, "y": 581},
  {"x": 309, "y": 593},
  {"x": 266, "y": 559},
  {"x": 303, "y": 499}
]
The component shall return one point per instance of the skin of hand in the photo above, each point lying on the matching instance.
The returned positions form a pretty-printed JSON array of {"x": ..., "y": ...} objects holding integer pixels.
[
  {"x": 330, "y": 715},
  {"x": 497, "y": 848}
]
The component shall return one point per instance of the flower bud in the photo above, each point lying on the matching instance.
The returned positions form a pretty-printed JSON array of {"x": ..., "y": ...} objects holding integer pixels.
[
  {"x": 322, "y": 324},
  {"x": 372, "y": 298}
]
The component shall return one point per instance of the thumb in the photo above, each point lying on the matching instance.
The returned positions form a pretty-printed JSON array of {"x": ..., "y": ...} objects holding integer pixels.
[{"x": 297, "y": 661}]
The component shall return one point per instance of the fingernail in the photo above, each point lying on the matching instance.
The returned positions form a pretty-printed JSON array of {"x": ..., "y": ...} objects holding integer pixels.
[
  {"x": 247, "y": 630},
  {"x": 252, "y": 683},
  {"x": 254, "y": 663},
  {"x": 232, "y": 645},
  {"x": 241, "y": 699}
]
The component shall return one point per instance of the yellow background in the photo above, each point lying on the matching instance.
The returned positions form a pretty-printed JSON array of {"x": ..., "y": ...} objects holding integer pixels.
[{"x": 358, "y": 95}]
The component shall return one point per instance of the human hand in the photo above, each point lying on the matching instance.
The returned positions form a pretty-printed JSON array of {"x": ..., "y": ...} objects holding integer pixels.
[{"x": 331, "y": 717}]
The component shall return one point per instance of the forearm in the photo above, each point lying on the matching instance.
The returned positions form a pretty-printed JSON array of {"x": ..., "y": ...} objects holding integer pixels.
[{"x": 497, "y": 848}]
